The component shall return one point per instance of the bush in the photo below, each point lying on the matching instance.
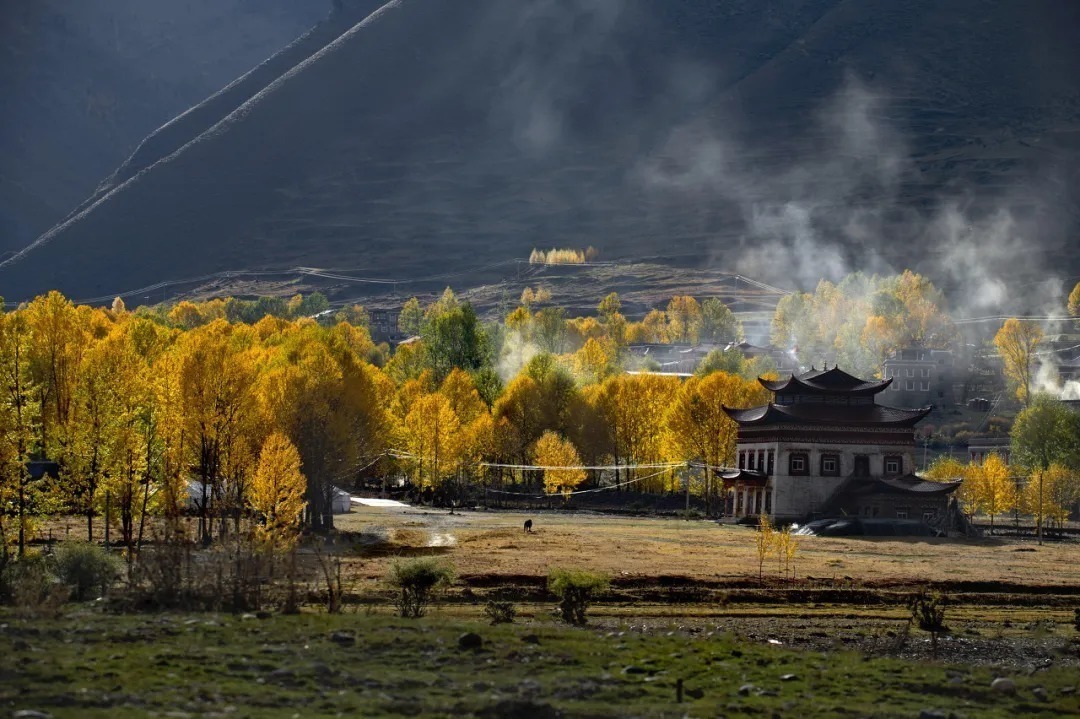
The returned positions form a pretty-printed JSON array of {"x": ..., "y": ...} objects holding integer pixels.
[
  {"x": 575, "y": 589},
  {"x": 928, "y": 612},
  {"x": 500, "y": 612},
  {"x": 417, "y": 580},
  {"x": 86, "y": 569},
  {"x": 30, "y": 586}
]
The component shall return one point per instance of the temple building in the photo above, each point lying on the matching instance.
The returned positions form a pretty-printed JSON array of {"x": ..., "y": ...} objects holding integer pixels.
[{"x": 823, "y": 447}]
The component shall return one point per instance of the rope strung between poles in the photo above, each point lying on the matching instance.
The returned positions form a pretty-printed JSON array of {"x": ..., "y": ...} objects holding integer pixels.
[
  {"x": 658, "y": 465},
  {"x": 577, "y": 492}
]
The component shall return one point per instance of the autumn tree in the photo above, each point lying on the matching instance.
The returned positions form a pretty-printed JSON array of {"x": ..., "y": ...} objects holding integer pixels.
[
  {"x": 60, "y": 338},
  {"x": 354, "y": 315},
  {"x": 996, "y": 489},
  {"x": 216, "y": 378},
  {"x": 1044, "y": 434},
  {"x": 655, "y": 327},
  {"x": 1074, "y": 301},
  {"x": 610, "y": 306},
  {"x": 19, "y": 414},
  {"x": 453, "y": 336},
  {"x": 730, "y": 361},
  {"x": 332, "y": 406},
  {"x": 119, "y": 376},
  {"x": 718, "y": 322},
  {"x": 277, "y": 491},
  {"x": 699, "y": 428},
  {"x": 1050, "y": 495},
  {"x": 1017, "y": 343},
  {"x": 594, "y": 361},
  {"x": 410, "y": 318},
  {"x": 430, "y": 436},
  {"x": 684, "y": 319},
  {"x": 549, "y": 329},
  {"x": 634, "y": 407},
  {"x": 561, "y": 464}
]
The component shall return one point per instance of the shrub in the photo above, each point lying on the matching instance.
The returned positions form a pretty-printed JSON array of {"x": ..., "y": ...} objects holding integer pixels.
[
  {"x": 928, "y": 611},
  {"x": 417, "y": 580},
  {"x": 500, "y": 612},
  {"x": 86, "y": 569},
  {"x": 575, "y": 589},
  {"x": 30, "y": 586}
]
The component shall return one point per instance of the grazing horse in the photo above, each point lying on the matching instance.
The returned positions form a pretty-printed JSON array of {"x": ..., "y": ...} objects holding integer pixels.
[{"x": 528, "y": 525}]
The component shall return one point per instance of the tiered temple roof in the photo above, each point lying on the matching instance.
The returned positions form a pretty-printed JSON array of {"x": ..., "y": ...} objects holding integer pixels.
[
  {"x": 829, "y": 398},
  {"x": 825, "y": 382}
]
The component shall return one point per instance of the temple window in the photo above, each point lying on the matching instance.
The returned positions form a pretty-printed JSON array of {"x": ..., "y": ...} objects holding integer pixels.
[
  {"x": 894, "y": 465},
  {"x": 772, "y": 462},
  {"x": 798, "y": 463},
  {"x": 830, "y": 465}
]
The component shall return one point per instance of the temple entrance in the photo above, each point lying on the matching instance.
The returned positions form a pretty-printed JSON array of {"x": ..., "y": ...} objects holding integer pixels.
[{"x": 862, "y": 465}]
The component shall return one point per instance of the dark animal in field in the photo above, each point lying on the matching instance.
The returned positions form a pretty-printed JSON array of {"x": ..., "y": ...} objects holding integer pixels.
[{"x": 528, "y": 525}]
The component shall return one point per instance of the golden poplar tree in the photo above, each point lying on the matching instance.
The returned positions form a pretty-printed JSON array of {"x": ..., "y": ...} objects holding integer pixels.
[
  {"x": 19, "y": 414},
  {"x": 430, "y": 433},
  {"x": 1017, "y": 342},
  {"x": 60, "y": 337},
  {"x": 996, "y": 488},
  {"x": 277, "y": 490},
  {"x": 684, "y": 319},
  {"x": 700, "y": 429},
  {"x": 561, "y": 464},
  {"x": 593, "y": 362}
]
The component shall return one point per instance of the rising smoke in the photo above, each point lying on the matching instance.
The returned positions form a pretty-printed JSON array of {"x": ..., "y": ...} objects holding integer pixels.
[{"x": 845, "y": 190}]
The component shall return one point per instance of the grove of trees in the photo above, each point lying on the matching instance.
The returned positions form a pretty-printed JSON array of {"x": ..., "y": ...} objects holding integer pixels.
[{"x": 235, "y": 409}]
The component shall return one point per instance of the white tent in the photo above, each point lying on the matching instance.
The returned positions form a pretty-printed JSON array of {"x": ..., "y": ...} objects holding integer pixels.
[{"x": 342, "y": 502}]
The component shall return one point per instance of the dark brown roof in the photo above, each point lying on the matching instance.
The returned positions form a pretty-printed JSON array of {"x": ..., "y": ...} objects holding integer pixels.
[
  {"x": 833, "y": 381},
  {"x": 830, "y": 414},
  {"x": 905, "y": 484}
]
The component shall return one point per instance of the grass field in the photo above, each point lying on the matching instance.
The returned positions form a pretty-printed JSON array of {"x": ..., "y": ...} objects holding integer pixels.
[
  {"x": 92, "y": 664},
  {"x": 685, "y": 603}
]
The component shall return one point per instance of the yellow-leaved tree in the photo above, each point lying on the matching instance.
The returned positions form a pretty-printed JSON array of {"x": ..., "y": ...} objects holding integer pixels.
[
  {"x": 430, "y": 432},
  {"x": 561, "y": 463},
  {"x": 1074, "y": 301},
  {"x": 698, "y": 426},
  {"x": 997, "y": 490},
  {"x": 276, "y": 492},
  {"x": 1050, "y": 494},
  {"x": 1017, "y": 342}
]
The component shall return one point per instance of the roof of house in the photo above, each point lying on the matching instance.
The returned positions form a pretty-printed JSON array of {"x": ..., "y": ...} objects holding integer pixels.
[
  {"x": 833, "y": 381},
  {"x": 905, "y": 484},
  {"x": 870, "y": 414}
]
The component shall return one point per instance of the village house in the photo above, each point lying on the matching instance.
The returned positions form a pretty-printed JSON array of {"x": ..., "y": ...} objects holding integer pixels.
[
  {"x": 824, "y": 447},
  {"x": 921, "y": 377}
]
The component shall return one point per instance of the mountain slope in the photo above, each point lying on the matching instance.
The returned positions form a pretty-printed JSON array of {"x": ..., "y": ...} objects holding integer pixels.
[
  {"x": 82, "y": 82},
  {"x": 436, "y": 136}
]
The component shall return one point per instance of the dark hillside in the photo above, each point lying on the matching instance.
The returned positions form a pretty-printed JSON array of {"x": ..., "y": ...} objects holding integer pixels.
[
  {"x": 435, "y": 136},
  {"x": 83, "y": 82}
]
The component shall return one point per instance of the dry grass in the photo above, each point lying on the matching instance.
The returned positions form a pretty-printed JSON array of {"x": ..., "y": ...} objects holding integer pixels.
[{"x": 494, "y": 544}]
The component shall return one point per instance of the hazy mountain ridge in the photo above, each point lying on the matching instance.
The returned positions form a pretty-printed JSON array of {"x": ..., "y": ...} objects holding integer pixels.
[{"x": 432, "y": 136}]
